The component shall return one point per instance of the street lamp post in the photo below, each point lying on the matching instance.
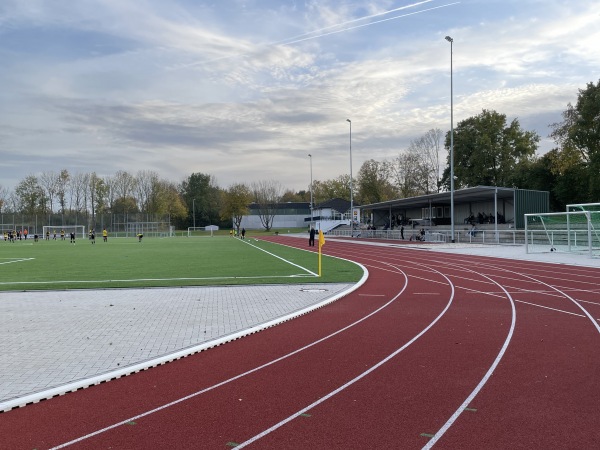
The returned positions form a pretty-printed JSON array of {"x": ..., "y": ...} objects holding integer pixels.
[
  {"x": 449, "y": 39},
  {"x": 311, "y": 191},
  {"x": 194, "y": 212},
  {"x": 351, "y": 189}
]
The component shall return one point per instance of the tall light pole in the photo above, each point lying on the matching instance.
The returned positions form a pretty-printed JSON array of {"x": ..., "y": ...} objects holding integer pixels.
[
  {"x": 194, "y": 212},
  {"x": 449, "y": 39},
  {"x": 351, "y": 190},
  {"x": 311, "y": 192}
]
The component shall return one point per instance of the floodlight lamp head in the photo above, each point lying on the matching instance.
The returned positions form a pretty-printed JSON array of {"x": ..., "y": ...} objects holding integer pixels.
[
  {"x": 348, "y": 120},
  {"x": 449, "y": 39}
]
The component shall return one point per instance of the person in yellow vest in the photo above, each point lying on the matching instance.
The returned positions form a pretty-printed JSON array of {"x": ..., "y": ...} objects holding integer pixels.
[{"x": 105, "y": 235}]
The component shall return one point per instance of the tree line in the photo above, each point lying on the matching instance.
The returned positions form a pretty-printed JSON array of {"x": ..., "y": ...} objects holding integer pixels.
[{"x": 487, "y": 151}]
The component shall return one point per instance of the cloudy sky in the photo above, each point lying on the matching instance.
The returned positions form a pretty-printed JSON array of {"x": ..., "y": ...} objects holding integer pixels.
[{"x": 244, "y": 90}]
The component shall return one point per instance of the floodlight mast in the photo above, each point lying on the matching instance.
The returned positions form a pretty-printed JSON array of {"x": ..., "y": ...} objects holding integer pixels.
[
  {"x": 351, "y": 188},
  {"x": 449, "y": 39},
  {"x": 311, "y": 191}
]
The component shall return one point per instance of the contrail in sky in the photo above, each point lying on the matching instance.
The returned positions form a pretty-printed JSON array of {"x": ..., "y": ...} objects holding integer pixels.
[
  {"x": 365, "y": 24},
  {"x": 308, "y": 36},
  {"x": 352, "y": 21}
]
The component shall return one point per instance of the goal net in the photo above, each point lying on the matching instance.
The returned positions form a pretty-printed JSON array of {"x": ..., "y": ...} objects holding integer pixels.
[
  {"x": 50, "y": 231},
  {"x": 583, "y": 207},
  {"x": 574, "y": 231},
  {"x": 207, "y": 231}
]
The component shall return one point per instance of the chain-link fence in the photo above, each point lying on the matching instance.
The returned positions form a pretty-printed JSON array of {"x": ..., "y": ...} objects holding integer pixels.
[{"x": 118, "y": 225}]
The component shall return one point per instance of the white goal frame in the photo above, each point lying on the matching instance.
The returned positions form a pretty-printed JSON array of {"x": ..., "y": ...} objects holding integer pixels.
[
  {"x": 80, "y": 231},
  {"x": 576, "y": 234},
  {"x": 207, "y": 231}
]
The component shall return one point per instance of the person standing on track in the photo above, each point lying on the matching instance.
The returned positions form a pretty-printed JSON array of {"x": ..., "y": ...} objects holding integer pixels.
[{"x": 311, "y": 237}]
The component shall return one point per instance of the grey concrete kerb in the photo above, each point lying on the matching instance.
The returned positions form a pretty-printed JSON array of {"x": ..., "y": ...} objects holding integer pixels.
[{"x": 230, "y": 312}]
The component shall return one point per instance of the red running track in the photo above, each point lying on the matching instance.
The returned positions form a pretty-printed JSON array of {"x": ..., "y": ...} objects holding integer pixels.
[{"x": 435, "y": 350}]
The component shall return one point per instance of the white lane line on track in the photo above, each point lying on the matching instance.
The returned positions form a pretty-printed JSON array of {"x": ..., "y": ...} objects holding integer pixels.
[
  {"x": 492, "y": 368},
  {"x": 547, "y": 307},
  {"x": 485, "y": 378},
  {"x": 469, "y": 399},
  {"x": 354, "y": 380},
  {"x": 237, "y": 377},
  {"x": 562, "y": 293}
]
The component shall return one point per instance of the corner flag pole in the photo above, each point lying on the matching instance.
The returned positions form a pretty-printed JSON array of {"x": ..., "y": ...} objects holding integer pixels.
[{"x": 321, "y": 244}]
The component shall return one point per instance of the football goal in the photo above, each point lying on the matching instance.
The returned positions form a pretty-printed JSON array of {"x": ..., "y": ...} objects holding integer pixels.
[
  {"x": 207, "y": 231},
  {"x": 51, "y": 231},
  {"x": 574, "y": 231}
]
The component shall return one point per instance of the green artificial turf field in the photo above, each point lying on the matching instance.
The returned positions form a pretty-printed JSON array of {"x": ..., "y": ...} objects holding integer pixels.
[{"x": 166, "y": 262}]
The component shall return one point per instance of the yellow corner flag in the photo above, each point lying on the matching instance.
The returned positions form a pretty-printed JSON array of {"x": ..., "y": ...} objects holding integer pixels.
[{"x": 321, "y": 243}]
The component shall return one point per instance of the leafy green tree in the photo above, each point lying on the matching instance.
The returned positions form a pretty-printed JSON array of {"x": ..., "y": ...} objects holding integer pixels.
[
  {"x": 3, "y": 197},
  {"x": 291, "y": 196},
  {"x": 328, "y": 189},
  {"x": 578, "y": 137},
  {"x": 97, "y": 194},
  {"x": 61, "y": 189},
  {"x": 124, "y": 205},
  {"x": 202, "y": 197},
  {"x": 539, "y": 175},
  {"x": 165, "y": 199},
  {"x": 372, "y": 183},
  {"x": 235, "y": 204},
  {"x": 487, "y": 151},
  {"x": 30, "y": 196}
]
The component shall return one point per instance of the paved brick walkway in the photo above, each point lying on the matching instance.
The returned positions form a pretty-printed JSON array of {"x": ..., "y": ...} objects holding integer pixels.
[{"x": 51, "y": 339}]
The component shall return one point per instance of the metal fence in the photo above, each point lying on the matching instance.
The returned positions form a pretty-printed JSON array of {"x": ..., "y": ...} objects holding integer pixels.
[
  {"x": 117, "y": 224},
  {"x": 506, "y": 237}
]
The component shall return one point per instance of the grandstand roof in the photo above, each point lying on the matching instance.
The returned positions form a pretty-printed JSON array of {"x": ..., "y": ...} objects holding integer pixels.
[{"x": 474, "y": 194}]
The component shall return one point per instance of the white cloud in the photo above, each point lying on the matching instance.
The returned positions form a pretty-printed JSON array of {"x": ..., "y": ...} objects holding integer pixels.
[{"x": 179, "y": 87}]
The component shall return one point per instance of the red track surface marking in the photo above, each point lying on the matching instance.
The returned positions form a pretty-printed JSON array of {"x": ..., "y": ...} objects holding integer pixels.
[{"x": 317, "y": 382}]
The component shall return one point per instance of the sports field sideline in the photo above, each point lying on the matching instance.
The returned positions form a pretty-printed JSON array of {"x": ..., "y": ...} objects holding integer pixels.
[{"x": 162, "y": 262}]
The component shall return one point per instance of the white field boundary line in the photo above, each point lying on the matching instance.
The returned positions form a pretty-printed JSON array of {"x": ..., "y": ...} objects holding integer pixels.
[
  {"x": 279, "y": 257},
  {"x": 260, "y": 277},
  {"x": 360, "y": 376},
  {"x": 15, "y": 260}
]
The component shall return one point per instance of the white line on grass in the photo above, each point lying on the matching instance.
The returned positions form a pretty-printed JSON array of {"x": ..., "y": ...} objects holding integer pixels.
[
  {"x": 299, "y": 275},
  {"x": 279, "y": 257},
  {"x": 16, "y": 260}
]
